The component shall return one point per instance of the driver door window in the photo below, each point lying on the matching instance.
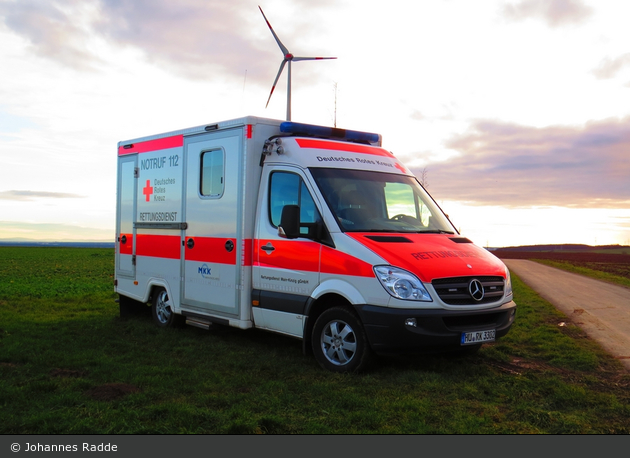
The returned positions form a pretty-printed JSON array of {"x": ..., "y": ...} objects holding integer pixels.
[{"x": 289, "y": 189}]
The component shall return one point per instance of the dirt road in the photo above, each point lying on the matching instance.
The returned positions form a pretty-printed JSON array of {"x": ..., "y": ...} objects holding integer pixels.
[{"x": 602, "y": 310}]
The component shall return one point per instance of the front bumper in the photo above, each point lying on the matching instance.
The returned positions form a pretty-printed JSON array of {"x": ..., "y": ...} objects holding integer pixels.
[{"x": 435, "y": 330}]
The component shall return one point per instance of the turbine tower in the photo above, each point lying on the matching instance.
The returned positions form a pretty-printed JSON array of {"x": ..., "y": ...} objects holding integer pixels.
[{"x": 288, "y": 57}]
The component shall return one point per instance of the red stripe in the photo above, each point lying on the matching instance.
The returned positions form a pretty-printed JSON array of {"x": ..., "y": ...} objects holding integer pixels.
[
  {"x": 206, "y": 249},
  {"x": 127, "y": 247},
  {"x": 294, "y": 255},
  {"x": 340, "y": 263},
  {"x": 210, "y": 249},
  {"x": 340, "y": 146},
  {"x": 246, "y": 256},
  {"x": 152, "y": 145},
  {"x": 305, "y": 257},
  {"x": 158, "y": 246}
]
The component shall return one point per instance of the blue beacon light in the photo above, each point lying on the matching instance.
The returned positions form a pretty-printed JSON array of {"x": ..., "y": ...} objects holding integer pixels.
[{"x": 310, "y": 130}]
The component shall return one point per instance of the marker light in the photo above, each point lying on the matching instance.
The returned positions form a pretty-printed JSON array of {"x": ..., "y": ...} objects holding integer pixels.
[
  {"x": 310, "y": 130},
  {"x": 401, "y": 284}
]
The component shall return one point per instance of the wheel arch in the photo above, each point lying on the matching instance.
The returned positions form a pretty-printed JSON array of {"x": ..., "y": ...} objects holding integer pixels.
[
  {"x": 341, "y": 288},
  {"x": 314, "y": 308},
  {"x": 154, "y": 285}
]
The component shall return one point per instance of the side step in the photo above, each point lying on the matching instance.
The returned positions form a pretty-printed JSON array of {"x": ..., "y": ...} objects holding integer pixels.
[
  {"x": 198, "y": 323},
  {"x": 203, "y": 322}
]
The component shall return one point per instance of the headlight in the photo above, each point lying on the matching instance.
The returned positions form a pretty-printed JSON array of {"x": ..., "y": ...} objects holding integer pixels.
[
  {"x": 401, "y": 284},
  {"x": 508, "y": 284}
]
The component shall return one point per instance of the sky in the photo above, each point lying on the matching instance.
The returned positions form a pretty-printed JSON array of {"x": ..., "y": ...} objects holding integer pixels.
[{"x": 515, "y": 112}]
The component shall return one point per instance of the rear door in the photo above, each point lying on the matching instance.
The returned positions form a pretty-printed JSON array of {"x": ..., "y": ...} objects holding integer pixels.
[
  {"x": 125, "y": 217},
  {"x": 211, "y": 245}
]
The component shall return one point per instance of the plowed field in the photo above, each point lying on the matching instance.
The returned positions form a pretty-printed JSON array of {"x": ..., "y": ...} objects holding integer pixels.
[{"x": 616, "y": 264}]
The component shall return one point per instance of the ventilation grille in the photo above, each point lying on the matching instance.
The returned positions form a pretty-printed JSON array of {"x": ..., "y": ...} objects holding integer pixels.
[
  {"x": 389, "y": 238},
  {"x": 460, "y": 240}
]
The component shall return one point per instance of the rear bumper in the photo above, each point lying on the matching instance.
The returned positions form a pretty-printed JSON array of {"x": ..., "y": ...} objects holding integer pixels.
[{"x": 435, "y": 330}]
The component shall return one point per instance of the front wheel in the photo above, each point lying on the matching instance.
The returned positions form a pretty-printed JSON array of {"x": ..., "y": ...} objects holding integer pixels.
[
  {"x": 162, "y": 310},
  {"x": 339, "y": 341}
]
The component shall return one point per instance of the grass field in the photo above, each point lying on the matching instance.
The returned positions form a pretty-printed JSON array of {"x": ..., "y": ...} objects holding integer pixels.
[{"x": 68, "y": 364}]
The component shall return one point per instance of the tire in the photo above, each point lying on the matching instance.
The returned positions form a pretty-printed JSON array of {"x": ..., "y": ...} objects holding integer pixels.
[
  {"x": 339, "y": 341},
  {"x": 162, "y": 310}
]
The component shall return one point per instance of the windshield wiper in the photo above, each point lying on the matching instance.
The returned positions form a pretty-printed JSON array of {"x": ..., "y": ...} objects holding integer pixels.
[{"x": 437, "y": 231}]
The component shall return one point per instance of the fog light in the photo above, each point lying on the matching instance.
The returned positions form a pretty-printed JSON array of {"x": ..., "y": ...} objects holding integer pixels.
[{"x": 410, "y": 322}]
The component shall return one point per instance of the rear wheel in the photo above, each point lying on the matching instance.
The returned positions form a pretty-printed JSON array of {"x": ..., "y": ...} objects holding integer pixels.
[
  {"x": 162, "y": 310},
  {"x": 339, "y": 341}
]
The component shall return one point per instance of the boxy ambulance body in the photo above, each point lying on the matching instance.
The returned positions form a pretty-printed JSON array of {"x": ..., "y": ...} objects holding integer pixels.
[{"x": 308, "y": 231}]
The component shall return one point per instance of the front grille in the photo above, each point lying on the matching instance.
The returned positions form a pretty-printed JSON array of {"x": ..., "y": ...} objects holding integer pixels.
[{"x": 455, "y": 291}]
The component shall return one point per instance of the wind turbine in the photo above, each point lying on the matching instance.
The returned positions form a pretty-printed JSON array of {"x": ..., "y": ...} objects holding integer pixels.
[{"x": 288, "y": 57}]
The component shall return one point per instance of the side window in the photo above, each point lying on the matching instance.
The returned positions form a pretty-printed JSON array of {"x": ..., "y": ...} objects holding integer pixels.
[
  {"x": 290, "y": 189},
  {"x": 212, "y": 180}
]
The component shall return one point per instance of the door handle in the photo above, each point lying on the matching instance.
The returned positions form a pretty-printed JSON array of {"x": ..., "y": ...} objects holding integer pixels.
[
  {"x": 190, "y": 243},
  {"x": 268, "y": 248},
  {"x": 123, "y": 239}
]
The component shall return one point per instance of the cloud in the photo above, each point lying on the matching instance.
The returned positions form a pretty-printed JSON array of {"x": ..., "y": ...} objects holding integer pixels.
[
  {"x": 622, "y": 222},
  {"x": 199, "y": 39},
  {"x": 190, "y": 36},
  {"x": 610, "y": 67},
  {"x": 554, "y": 12},
  {"x": 416, "y": 115},
  {"x": 520, "y": 166},
  {"x": 51, "y": 30},
  {"x": 30, "y": 195}
]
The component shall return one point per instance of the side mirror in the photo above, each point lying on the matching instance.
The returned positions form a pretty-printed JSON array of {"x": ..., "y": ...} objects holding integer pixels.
[{"x": 289, "y": 222}]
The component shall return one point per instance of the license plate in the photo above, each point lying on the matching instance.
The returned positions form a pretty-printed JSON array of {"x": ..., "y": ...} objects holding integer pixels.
[{"x": 469, "y": 338}]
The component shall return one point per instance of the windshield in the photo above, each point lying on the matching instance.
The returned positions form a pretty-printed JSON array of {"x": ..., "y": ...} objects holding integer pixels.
[{"x": 364, "y": 201}]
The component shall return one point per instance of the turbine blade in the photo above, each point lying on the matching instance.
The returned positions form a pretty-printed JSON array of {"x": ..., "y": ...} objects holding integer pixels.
[
  {"x": 276, "y": 81},
  {"x": 283, "y": 48},
  {"x": 312, "y": 58}
]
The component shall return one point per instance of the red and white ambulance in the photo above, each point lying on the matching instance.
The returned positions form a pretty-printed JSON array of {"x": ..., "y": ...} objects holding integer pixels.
[{"x": 313, "y": 232}]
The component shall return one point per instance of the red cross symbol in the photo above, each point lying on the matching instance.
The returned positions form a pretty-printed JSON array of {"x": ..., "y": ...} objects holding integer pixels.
[{"x": 148, "y": 190}]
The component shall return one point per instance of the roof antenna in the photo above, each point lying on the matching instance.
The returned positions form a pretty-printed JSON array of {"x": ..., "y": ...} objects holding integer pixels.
[{"x": 288, "y": 57}]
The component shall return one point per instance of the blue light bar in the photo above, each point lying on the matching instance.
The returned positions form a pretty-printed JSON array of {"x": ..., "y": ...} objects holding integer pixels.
[{"x": 310, "y": 130}]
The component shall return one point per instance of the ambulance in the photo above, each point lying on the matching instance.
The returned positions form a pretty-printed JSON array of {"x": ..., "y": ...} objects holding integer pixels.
[{"x": 313, "y": 232}]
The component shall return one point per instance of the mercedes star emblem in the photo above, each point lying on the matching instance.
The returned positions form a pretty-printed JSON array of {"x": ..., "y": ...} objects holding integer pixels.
[{"x": 475, "y": 288}]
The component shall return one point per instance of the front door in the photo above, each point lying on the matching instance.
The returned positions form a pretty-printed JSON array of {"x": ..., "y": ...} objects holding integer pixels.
[{"x": 285, "y": 271}]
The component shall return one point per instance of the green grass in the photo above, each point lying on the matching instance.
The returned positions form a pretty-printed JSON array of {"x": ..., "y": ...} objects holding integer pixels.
[{"x": 69, "y": 365}]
